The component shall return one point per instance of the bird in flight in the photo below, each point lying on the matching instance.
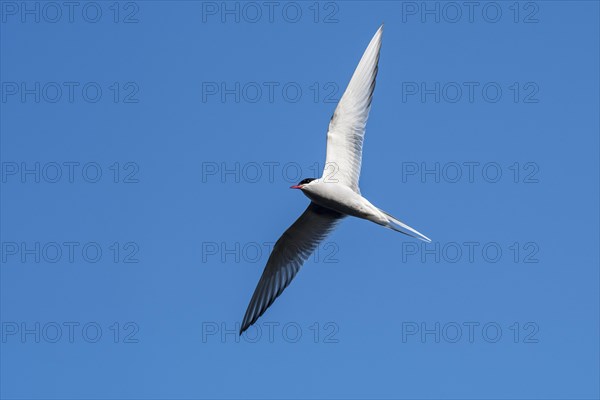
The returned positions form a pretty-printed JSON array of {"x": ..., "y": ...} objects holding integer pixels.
[{"x": 334, "y": 195}]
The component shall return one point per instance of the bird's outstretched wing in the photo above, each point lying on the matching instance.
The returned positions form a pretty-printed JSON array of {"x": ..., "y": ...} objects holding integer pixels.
[
  {"x": 291, "y": 250},
  {"x": 347, "y": 126}
]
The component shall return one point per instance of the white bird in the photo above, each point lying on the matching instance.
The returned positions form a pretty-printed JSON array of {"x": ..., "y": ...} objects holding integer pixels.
[{"x": 334, "y": 195}]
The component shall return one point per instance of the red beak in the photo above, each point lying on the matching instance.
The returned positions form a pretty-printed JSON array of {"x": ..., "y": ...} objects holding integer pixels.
[{"x": 296, "y": 187}]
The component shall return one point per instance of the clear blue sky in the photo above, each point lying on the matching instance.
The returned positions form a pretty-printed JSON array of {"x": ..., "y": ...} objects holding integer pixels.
[{"x": 147, "y": 149}]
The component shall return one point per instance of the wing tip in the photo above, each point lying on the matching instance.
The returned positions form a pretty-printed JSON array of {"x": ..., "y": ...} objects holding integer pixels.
[
  {"x": 425, "y": 239},
  {"x": 247, "y": 322},
  {"x": 379, "y": 33},
  {"x": 245, "y": 325},
  {"x": 376, "y": 42}
]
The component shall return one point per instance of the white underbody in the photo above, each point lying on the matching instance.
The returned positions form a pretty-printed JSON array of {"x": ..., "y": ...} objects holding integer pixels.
[{"x": 339, "y": 197}]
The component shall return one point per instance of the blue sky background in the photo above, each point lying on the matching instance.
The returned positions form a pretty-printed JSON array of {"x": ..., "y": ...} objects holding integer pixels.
[{"x": 198, "y": 235}]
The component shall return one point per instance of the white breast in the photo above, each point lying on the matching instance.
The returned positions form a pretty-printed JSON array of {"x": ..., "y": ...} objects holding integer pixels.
[{"x": 342, "y": 199}]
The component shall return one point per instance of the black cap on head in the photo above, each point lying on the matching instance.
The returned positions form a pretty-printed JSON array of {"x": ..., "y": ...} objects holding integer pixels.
[{"x": 307, "y": 180}]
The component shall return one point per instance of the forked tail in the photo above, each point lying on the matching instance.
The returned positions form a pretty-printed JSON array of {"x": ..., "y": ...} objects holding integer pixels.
[{"x": 399, "y": 226}]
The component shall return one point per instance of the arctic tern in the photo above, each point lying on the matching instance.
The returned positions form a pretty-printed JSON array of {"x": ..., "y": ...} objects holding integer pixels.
[{"x": 333, "y": 196}]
